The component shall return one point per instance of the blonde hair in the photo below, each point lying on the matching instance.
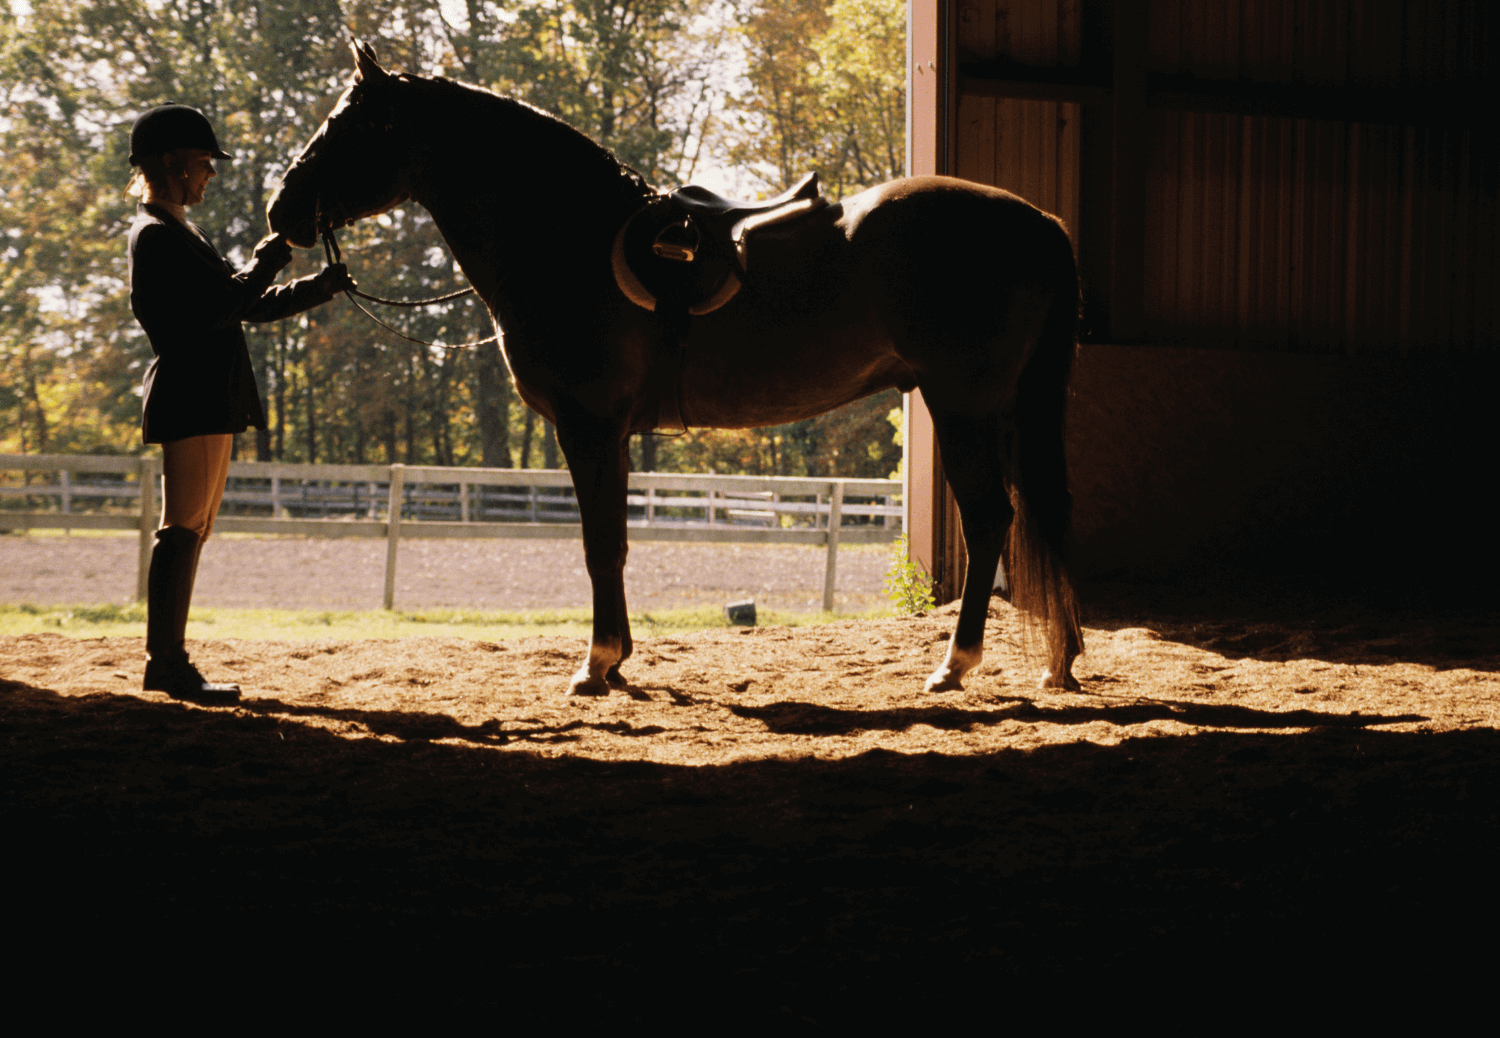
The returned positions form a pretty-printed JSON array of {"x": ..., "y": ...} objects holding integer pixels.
[{"x": 149, "y": 170}]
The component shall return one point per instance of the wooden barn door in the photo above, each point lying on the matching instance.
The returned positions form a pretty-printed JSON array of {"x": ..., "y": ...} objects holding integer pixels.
[{"x": 932, "y": 515}]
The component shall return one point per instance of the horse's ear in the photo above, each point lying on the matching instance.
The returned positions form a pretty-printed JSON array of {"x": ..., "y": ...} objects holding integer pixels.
[{"x": 366, "y": 67}]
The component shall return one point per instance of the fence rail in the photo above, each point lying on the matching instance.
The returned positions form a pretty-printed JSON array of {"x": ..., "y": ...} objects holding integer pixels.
[{"x": 412, "y": 501}]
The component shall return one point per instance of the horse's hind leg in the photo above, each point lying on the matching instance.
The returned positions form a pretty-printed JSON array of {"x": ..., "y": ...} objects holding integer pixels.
[
  {"x": 1064, "y": 649},
  {"x": 970, "y": 448}
]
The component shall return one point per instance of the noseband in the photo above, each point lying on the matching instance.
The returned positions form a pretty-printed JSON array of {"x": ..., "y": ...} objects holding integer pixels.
[{"x": 334, "y": 254}]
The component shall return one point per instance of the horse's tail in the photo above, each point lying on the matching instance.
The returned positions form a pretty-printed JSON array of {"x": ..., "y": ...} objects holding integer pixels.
[{"x": 1036, "y": 552}]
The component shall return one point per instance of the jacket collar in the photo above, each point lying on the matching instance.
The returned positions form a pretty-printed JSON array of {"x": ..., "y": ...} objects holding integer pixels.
[{"x": 200, "y": 241}]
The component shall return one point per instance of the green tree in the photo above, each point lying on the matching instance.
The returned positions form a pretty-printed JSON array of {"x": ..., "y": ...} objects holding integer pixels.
[
  {"x": 633, "y": 74},
  {"x": 74, "y": 74},
  {"x": 861, "y": 77},
  {"x": 825, "y": 90}
]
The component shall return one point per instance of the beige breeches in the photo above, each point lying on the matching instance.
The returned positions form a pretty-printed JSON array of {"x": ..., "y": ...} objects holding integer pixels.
[{"x": 194, "y": 471}]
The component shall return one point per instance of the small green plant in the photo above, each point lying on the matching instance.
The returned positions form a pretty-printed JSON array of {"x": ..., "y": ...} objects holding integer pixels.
[{"x": 907, "y": 584}]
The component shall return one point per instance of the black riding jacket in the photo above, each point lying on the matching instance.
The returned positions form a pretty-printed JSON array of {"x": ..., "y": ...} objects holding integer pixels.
[{"x": 190, "y": 302}]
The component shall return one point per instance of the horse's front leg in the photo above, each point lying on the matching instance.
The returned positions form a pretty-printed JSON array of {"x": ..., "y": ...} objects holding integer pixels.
[{"x": 600, "y": 468}]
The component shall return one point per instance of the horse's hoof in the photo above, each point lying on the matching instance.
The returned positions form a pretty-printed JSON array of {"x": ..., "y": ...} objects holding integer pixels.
[
  {"x": 614, "y": 679},
  {"x": 943, "y": 681},
  {"x": 1067, "y": 682},
  {"x": 586, "y": 684}
]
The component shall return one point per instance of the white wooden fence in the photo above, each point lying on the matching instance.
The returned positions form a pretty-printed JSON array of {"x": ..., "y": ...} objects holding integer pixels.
[{"x": 93, "y": 492}]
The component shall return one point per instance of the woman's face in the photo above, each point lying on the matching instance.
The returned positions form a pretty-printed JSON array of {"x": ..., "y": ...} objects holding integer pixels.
[{"x": 194, "y": 168}]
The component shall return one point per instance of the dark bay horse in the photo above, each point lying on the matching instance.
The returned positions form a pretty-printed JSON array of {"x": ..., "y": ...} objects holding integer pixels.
[{"x": 963, "y": 290}]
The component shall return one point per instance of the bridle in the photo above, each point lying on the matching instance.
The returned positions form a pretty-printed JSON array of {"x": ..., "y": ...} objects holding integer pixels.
[{"x": 334, "y": 254}]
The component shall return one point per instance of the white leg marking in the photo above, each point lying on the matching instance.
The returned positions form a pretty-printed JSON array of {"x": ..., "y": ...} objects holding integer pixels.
[
  {"x": 949, "y": 677},
  {"x": 589, "y": 679}
]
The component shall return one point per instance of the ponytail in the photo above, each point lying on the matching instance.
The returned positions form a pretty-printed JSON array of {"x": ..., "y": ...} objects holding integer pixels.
[{"x": 149, "y": 170}]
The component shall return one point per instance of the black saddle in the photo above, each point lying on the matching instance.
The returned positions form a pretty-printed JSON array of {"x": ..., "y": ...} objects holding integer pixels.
[
  {"x": 687, "y": 249},
  {"x": 725, "y": 223},
  {"x": 701, "y": 203},
  {"x": 683, "y": 255}
]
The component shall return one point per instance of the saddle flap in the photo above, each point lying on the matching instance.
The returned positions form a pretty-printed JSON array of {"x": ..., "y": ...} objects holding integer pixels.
[
  {"x": 659, "y": 263},
  {"x": 740, "y": 233}
]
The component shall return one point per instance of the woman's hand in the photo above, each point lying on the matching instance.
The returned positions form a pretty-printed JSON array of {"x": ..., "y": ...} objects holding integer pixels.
[
  {"x": 335, "y": 279},
  {"x": 274, "y": 250}
]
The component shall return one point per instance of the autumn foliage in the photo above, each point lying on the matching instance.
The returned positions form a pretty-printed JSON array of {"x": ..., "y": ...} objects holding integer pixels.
[{"x": 646, "y": 77}]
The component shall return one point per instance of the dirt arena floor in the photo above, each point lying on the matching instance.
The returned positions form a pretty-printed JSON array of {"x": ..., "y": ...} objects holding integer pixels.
[{"x": 1255, "y": 793}]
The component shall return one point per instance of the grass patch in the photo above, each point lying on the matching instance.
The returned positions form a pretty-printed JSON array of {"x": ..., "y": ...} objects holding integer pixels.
[{"x": 129, "y": 621}]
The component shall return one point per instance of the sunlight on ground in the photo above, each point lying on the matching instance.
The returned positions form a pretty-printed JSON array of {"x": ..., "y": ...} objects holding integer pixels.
[{"x": 127, "y": 621}]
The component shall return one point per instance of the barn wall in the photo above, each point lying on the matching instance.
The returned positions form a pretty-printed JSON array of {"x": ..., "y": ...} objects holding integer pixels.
[
  {"x": 1190, "y": 462},
  {"x": 1320, "y": 237},
  {"x": 1285, "y": 214}
]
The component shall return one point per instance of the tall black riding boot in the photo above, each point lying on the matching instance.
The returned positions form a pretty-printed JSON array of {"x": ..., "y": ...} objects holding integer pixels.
[{"x": 169, "y": 594}]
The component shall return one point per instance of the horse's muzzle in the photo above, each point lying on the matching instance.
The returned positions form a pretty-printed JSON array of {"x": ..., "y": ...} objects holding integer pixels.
[{"x": 298, "y": 222}]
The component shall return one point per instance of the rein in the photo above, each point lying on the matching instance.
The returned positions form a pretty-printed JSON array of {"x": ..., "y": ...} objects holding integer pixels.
[{"x": 334, "y": 254}]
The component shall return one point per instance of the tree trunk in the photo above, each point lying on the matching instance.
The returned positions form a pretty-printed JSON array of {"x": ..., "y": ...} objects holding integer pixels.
[
  {"x": 493, "y": 406},
  {"x": 526, "y": 432},
  {"x": 549, "y": 445},
  {"x": 281, "y": 348},
  {"x": 312, "y": 418}
]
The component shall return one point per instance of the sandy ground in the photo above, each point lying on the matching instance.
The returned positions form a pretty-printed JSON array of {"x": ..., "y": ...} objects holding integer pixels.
[
  {"x": 1284, "y": 790},
  {"x": 295, "y": 573}
]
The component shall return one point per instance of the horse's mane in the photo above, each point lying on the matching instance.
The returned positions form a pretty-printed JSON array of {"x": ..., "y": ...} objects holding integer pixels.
[{"x": 564, "y": 146}]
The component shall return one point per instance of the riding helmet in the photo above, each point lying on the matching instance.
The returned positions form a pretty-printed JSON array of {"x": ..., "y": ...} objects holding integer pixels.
[{"x": 168, "y": 127}]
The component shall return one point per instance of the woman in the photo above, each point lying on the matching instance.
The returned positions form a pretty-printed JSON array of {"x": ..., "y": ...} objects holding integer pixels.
[{"x": 200, "y": 390}]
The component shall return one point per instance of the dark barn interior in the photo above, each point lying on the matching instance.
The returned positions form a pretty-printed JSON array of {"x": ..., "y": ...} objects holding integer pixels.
[{"x": 1285, "y": 217}]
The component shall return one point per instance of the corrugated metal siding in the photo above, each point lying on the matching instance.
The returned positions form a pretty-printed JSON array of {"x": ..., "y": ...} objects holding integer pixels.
[
  {"x": 1321, "y": 237},
  {"x": 1315, "y": 236},
  {"x": 1028, "y": 147},
  {"x": 1271, "y": 233},
  {"x": 1334, "y": 43},
  {"x": 1037, "y": 32}
]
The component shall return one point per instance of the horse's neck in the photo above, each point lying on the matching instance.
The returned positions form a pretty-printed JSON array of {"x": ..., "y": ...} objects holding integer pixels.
[{"x": 508, "y": 233}]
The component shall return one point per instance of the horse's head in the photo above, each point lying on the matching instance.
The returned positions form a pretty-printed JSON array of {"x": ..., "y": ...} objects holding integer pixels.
[{"x": 353, "y": 167}]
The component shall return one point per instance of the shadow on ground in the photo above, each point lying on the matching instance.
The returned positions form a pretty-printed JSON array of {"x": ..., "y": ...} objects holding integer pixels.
[
  {"x": 806, "y": 889},
  {"x": 814, "y": 719},
  {"x": 1277, "y": 619}
]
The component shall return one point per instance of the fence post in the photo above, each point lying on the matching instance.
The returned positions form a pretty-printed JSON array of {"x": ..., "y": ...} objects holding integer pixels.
[
  {"x": 147, "y": 479},
  {"x": 650, "y": 506},
  {"x": 64, "y": 478},
  {"x": 835, "y": 520},
  {"x": 393, "y": 532},
  {"x": 463, "y": 502}
]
